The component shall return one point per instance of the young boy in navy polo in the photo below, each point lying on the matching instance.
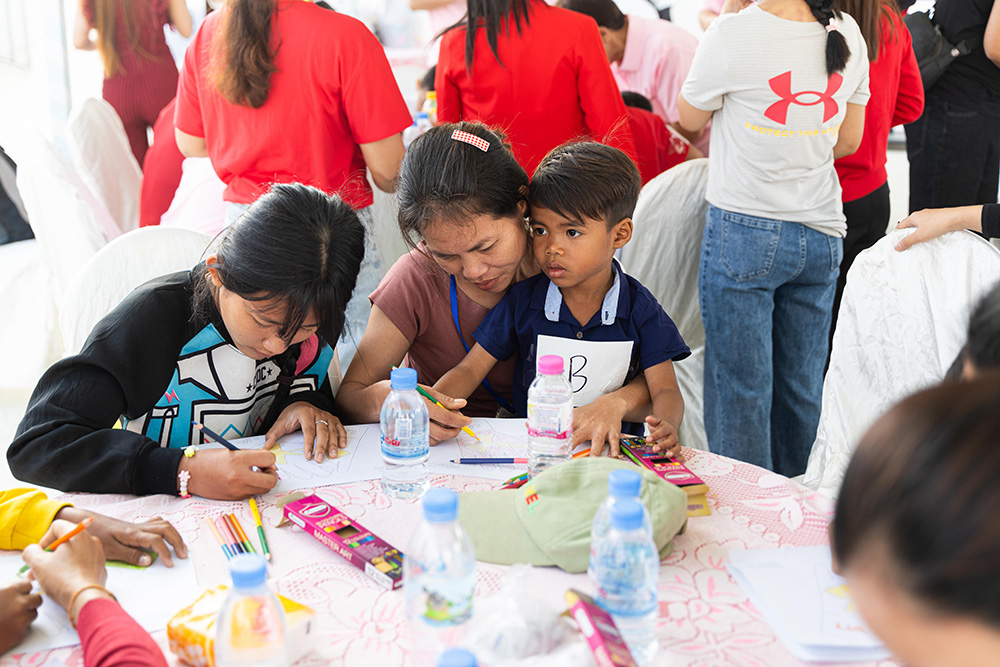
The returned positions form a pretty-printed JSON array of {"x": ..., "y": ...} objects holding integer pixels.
[{"x": 607, "y": 326}]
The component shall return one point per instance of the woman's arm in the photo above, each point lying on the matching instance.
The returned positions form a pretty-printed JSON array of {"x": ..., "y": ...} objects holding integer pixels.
[
  {"x": 851, "y": 131},
  {"x": 383, "y": 159},
  {"x": 81, "y": 30},
  {"x": 366, "y": 383},
  {"x": 910, "y": 92},
  {"x": 692, "y": 120},
  {"x": 931, "y": 223},
  {"x": 429, "y": 4},
  {"x": 991, "y": 39},
  {"x": 190, "y": 145},
  {"x": 180, "y": 17}
]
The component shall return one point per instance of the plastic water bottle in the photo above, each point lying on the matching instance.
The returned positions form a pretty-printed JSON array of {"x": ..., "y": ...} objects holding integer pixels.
[
  {"x": 621, "y": 484},
  {"x": 456, "y": 657},
  {"x": 405, "y": 437},
  {"x": 431, "y": 106},
  {"x": 550, "y": 416},
  {"x": 420, "y": 125},
  {"x": 250, "y": 630},
  {"x": 439, "y": 575},
  {"x": 626, "y": 573}
]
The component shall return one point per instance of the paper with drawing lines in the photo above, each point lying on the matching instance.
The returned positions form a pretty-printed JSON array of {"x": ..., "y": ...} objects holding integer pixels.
[
  {"x": 499, "y": 438},
  {"x": 150, "y": 595}
]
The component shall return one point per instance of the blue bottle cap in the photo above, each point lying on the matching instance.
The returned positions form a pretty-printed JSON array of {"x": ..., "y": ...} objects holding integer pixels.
[
  {"x": 456, "y": 657},
  {"x": 626, "y": 514},
  {"x": 248, "y": 571},
  {"x": 624, "y": 483},
  {"x": 440, "y": 505},
  {"x": 403, "y": 379}
]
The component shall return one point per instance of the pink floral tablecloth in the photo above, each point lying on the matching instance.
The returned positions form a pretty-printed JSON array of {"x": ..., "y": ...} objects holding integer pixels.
[{"x": 705, "y": 618}]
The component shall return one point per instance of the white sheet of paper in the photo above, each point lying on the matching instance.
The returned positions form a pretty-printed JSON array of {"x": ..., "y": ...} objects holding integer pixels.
[
  {"x": 150, "y": 595},
  {"x": 805, "y": 603},
  {"x": 498, "y": 438},
  {"x": 592, "y": 368},
  {"x": 360, "y": 460}
]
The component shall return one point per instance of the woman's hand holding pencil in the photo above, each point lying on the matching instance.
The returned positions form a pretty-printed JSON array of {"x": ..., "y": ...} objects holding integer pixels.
[
  {"x": 223, "y": 475},
  {"x": 73, "y": 572}
]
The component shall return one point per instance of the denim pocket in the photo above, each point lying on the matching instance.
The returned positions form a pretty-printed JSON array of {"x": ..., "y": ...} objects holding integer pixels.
[
  {"x": 836, "y": 252},
  {"x": 749, "y": 245}
]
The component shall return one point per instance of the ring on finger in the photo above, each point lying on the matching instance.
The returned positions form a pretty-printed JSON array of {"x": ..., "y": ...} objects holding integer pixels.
[{"x": 322, "y": 421}]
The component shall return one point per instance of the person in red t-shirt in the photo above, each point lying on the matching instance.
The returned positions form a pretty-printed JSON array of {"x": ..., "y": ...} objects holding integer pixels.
[
  {"x": 897, "y": 97},
  {"x": 544, "y": 78},
  {"x": 658, "y": 146},
  {"x": 279, "y": 91},
  {"x": 161, "y": 170}
]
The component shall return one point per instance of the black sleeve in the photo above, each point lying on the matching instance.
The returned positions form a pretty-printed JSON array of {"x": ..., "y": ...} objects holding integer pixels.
[
  {"x": 66, "y": 439},
  {"x": 991, "y": 221}
]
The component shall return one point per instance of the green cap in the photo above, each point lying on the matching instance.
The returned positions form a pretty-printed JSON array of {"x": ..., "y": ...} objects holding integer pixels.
[{"x": 547, "y": 521}]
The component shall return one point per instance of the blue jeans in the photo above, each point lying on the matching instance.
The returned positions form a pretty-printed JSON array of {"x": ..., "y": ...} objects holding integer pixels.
[{"x": 766, "y": 289}]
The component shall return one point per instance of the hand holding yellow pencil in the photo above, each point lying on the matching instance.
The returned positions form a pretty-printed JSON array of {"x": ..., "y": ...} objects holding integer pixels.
[{"x": 426, "y": 394}]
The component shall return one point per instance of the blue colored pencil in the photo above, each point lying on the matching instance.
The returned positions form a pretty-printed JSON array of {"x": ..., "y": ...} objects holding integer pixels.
[{"x": 215, "y": 436}]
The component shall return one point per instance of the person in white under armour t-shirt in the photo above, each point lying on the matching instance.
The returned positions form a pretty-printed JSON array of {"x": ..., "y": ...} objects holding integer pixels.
[{"x": 785, "y": 83}]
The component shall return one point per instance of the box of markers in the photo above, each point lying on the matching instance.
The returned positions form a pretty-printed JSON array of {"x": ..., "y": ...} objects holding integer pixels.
[
  {"x": 672, "y": 470},
  {"x": 348, "y": 539},
  {"x": 600, "y": 631}
]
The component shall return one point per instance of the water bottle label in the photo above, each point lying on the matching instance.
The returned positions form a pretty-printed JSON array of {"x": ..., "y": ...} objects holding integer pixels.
[
  {"x": 445, "y": 602},
  {"x": 254, "y": 624},
  {"x": 404, "y": 425},
  {"x": 550, "y": 421},
  {"x": 411, "y": 446}
]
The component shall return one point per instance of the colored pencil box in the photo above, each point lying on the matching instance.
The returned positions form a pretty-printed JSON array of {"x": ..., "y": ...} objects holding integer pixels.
[
  {"x": 598, "y": 628},
  {"x": 670, "y": 469},
  {"x": 191, "y": 632},
  {"x": 348, "y": 539}
]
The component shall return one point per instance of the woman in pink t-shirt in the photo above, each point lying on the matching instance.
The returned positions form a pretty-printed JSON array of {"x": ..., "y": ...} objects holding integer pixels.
[{"x": 463, "y": 207}]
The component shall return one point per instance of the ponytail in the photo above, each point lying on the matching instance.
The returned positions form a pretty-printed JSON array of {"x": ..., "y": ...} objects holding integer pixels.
[
  {"x": 837, "y": 51},
  {"x": 493, "y": 12},
  {"x": 243, "y": 59}
]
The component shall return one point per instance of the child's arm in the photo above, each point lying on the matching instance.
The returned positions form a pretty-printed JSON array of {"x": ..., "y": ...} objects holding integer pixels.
[
  {"x": 668, "y": 408},
  {"x": 463, "y": 379},
  {"x": 600, "y": 421}
]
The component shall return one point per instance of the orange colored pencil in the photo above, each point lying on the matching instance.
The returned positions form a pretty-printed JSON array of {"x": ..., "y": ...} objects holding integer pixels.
[
  {"x": 77, "y": 529},
  {"x": 240, "y": 535}
]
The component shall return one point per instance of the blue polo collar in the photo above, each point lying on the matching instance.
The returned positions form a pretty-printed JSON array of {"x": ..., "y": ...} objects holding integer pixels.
[{"x": 613, "y": 300}]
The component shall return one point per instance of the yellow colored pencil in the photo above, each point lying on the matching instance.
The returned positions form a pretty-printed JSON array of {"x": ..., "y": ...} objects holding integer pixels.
[
  {"x": 425, "y": 394},
  {"x": 260, "y": 529}
]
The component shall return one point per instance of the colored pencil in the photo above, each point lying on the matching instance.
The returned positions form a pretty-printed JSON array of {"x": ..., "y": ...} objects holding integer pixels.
[
  {"x": 215, "y": 436},
  {"x": 238, "y": 529},
  {"x": 581, "y": 453},
  {"x": 218, "y": 538},
  {"x": 425, "y": 394},
  {"x": 227, "y": 534},
  {"x": 77, "y": 529},
  {"x": 260, "y": 529},
  {"x": 486, "y": 460},
  {"x": 516, "y": 481}
]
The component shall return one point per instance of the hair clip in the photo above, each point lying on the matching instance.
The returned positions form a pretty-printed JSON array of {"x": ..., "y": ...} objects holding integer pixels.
[
  {"x": 833, "y": 24},
  {"x": 469, "y": 138}
]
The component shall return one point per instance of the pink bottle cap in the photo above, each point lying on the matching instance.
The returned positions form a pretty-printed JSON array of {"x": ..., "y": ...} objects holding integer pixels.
[{"x": 550, "y": 364}]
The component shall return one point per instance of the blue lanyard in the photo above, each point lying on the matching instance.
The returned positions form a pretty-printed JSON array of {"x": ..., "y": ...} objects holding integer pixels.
[{"x": 454, "y": 316}]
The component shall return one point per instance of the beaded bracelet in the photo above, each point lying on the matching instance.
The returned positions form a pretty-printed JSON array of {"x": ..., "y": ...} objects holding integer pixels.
[
  {"x": 184, "y": 476},
  {"x": 72, "y": 600}
]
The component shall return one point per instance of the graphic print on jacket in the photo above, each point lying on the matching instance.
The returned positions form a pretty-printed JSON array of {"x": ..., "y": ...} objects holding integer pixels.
[{"x": 216, "y": 385}]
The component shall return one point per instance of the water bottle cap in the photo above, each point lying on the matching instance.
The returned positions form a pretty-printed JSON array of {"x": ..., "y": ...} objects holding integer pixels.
[
  {"x": 626, "y": 514},
  {"x": 440, "y": 505},
  {"x": 624, "y": 483},
  {"x": 456, "y": 657},
  {"x": 550, "y": 364},
  {"x": 403, "y": 379},
  {"x": 248, "y": 571},
  {"x": 423, "y": 114}
]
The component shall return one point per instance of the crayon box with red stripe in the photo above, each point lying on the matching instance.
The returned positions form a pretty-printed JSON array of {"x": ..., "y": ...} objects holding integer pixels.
[{"x": 348, "y": 539}]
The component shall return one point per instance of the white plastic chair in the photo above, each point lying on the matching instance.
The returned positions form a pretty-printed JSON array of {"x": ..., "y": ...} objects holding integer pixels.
[
  {"x": 664, "y": 255},
  {"x": 902, "y": 322},
  {"x": 101, "y": 152},
  {"x": 197, "y": 203},
  {"x": 119, "y": 268}
]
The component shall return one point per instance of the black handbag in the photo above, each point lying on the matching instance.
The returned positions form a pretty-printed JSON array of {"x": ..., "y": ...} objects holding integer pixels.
[{"x": 934, "y": 53}]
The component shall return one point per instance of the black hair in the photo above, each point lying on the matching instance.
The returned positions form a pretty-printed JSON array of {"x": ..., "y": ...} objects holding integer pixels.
[
  {"x": 427, "y": 82},
  {"x": 492, "y": 13},
  {"x": 296, "y": 245},
  {"x": 837, "y": 51},
  {"x": 585, "y": 179},
  {"x": 983, "y": 347},
  {"x": 442, "y": 178},
  {"x": 605, "y": 12},
  {"x": 922, "y": 489},
  {"x": 638, "y": 100}
]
